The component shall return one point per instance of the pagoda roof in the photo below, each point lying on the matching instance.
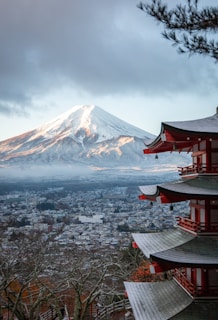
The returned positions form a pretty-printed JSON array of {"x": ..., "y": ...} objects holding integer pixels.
[
  {"x": 167, "y": 300},
  {"x": 156, "y": 300},
  {"x": 198, "y": 187},
  {"x": 182, "y": 135},
  {"x": 199, "y": 310},
  {"x": 179, "y": 247},
  {"x": 151, "y": 243},
  {"x": 204, "y": 125}
]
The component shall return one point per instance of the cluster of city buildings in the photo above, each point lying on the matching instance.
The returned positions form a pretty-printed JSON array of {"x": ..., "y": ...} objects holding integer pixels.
[{"x": 90, "y": 219}]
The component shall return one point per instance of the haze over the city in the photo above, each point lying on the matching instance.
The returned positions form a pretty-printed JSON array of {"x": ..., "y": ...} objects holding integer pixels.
[{"x": 57, "y": 54}]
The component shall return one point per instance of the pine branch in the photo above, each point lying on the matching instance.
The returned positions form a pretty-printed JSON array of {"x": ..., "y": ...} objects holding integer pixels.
[
  {"x": 187, "y": 26},
  {"x": 193, "y": 44}
]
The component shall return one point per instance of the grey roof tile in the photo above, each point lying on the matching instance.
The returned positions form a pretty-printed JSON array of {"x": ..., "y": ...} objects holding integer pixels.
[
  {"x": 156, "y": 300},
  {"x": 199, "y": 310},
  {"x": 209, "y": 124},
  {"x": 199, "y": 251},
  {"x": 179, "y": 246},
  {"x": 201, "y": 185},
  {"x": 151, "y": 243}
]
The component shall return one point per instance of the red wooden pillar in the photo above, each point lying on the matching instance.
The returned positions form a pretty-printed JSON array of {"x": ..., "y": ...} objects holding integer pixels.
[
  {"x": 204, "y": 278},
  {"x": 194, "y": 279},
  {"x": 207, "y": 215}
]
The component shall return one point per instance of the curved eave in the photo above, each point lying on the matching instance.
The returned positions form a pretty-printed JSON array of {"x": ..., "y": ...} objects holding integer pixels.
[
  {"x": 199, "y": 310},
  {"x": 149, "y": 190},
  {"x": 196, "y": 188},
  {"x": 152, "y": 243},
  {"x": 161, "y": 145},
  {"x": 167, "y": 300},
  {"x": 178, "y": 247},
  {"x": 156, "y": 300},
  {"x": 201, "y": 251},
  {"x": 202, "y": 126},
  {"x": 182, "y": 135}
]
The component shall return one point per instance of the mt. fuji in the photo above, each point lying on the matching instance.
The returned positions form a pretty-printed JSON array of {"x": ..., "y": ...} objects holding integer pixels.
[{"x": 85, "y": 135}]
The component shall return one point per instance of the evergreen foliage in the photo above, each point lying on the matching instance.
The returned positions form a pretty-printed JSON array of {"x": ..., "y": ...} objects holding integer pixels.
[{"x": 190, "y": 28}]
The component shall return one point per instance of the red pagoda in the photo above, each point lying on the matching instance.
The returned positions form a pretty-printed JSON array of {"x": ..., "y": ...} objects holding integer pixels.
[{"x": 190, "y": 249}]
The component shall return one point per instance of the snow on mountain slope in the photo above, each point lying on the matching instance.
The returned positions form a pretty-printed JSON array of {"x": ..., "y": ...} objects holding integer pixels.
[
  {"x": 84, "y": 135},
  {"x": 88, "y": 123}
]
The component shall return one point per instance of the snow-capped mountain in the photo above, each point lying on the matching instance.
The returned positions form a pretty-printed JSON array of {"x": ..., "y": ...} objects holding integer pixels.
[{"x": 84, "y": 135}]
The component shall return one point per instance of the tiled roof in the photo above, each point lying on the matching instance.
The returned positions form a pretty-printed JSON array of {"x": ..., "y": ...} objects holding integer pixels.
[
  {"x": 200, "y": 251},
  {"x": 209, "y": 124},
  {"x": 156, "y": 300},
  {"x": 201, "y": 185},
  {"x": 199, "y": 310},
  {"x": 181, "y": 135},
  {"x": 178, "y": 246},
  {"x": 151, "y": 243}
]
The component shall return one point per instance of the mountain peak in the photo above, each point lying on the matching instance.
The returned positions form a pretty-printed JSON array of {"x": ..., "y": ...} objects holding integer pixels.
[
  {"x": 82, "y": 133},
  {"x": 85, "y": 135},
  {"x": 90, "y": 120}
]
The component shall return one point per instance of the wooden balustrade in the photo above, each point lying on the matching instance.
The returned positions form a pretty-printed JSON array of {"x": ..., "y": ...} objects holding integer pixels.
[
  {"x": 105, "y": 312},
  {"x": 189, "y": 224},
  {"x": 192, "y": 169},
  {"x": 194, "y": 290},
  {"x": 198, "y": 227},
  {"x": 182, "y": 279}
]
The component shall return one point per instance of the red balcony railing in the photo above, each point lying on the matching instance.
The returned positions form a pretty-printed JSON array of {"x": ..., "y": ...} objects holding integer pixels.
[
  {"x": 196, "y": 226},
  {"x": 182, "y": 279},
  {"x": 192, "y": 169},
  {"x": 187, "y": 170},
  {"x": 194, "y": 290},
  {"x": 189, "y": 224}
]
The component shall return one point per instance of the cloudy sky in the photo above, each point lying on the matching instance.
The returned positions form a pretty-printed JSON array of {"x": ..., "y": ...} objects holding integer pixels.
[{"x": 55, "y": 54}]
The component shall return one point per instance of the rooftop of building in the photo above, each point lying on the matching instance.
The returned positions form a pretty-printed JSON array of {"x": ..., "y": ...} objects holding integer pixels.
[
  {"x": 181, "y": 135},
  {"x": 197, "y": 187},
  {"x": 166, "y": 300},
  {"x": 204, "y": 125}
]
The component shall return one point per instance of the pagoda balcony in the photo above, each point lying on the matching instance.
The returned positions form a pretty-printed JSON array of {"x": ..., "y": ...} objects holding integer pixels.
[
  {"x": 197, "y": 169},
  {"x": 189, "y": 224},
  {"x": 194, "y": 290},
  {"x": 185, "y": 283},
  {"x": 198, "y": 227}
]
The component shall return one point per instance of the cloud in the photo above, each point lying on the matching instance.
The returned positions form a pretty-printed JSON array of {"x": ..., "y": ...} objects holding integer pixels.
[
  {"x": 8, "y": 108},
  {"x": 99, "y": 47},
  {"x": 43, "y": 172}
]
